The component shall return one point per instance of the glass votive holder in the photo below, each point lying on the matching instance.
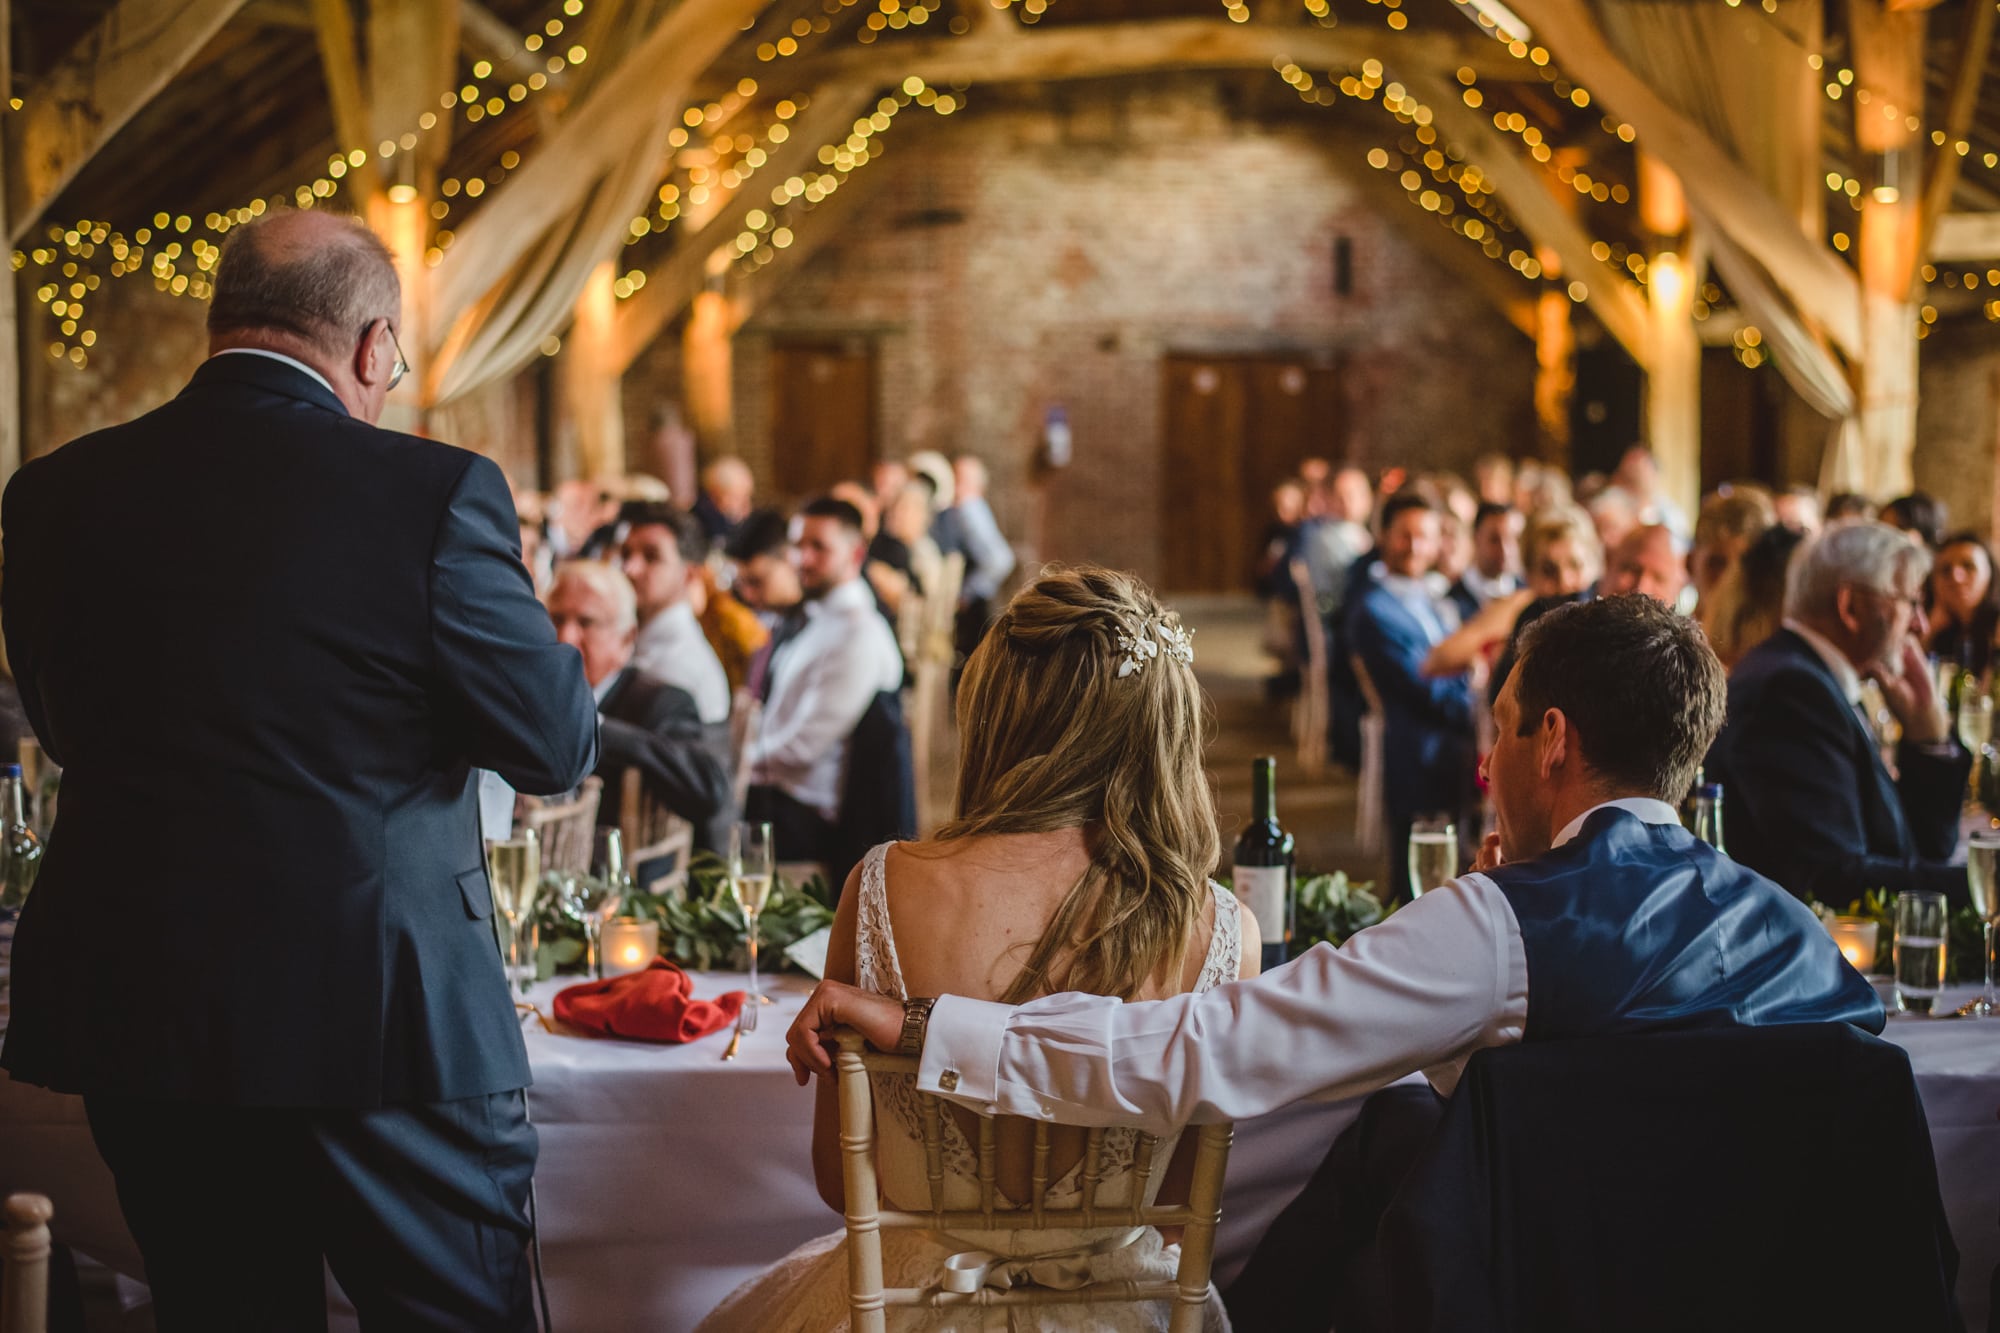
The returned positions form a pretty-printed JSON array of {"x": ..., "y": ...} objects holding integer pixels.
[
  {"x": 1857, "y": 938},
  {"x": 628, "y": 945}
]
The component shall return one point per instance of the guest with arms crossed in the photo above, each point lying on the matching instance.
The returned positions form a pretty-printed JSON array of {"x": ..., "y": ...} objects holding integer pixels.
[
  {"x": 1079, "y": 859},
  {"x": 1807, "y": 798},
  {"x": 644, "y": 722},
  {"x": 828, "y": 662},
  {"x": 290, "y": 1027},
  {"x": 1591, "y": 912}
]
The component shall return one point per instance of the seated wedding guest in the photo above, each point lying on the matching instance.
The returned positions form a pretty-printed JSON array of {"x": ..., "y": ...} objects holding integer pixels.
[
  {"x": 1612, "y": 513},
  {"x": 1808, "y": 800},
  {"x": 904, "y": 542},
  {"x": 1592, "y": 913},
  {"x": 1428, "y": 768},
  {"x": 1797, "y": 508},
  {"x": 662, "y": 556},
  {"x": 1078, "y": 861},
  {"x": 1748, "y": 606},
  {"x": 728, "y": 488},
  {"x": 1335, "y": 535},
  {"x": 887, "y": 563},
  {"x": 1729, "y": 522},
  {"x": 827, "y": 664},
  {"x": 734, "y": 633},
  {"x": 1495, "y": 570},
  {"x": 1963, "y": 604},
  {"x": 1563, "y": 562},
  {"x": 1273, "y": 575},
  {"x": 1919, "y": 515},
  {"x": 1493, "y": 480},
  {"x": 291, "y": 1030},
  {"x": 582, "y": 518},
  {"x": 988, "y": 557},
  {"x": 1846, "y": 504},
  {"x": 643, "y": 722},
  {"x": 1648, "y": 561},
  {"x": 1638, "y": 481},
  {"x": 766, "y": 578},
  {"x": 887, "y": 478}
]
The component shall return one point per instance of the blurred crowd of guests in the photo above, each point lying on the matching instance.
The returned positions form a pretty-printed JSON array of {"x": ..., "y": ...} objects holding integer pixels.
[{"x": 1847, "y": 628}]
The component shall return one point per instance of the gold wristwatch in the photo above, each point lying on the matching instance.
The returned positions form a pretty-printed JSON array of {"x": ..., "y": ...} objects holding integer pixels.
[{"x": 916, "y": 1018}]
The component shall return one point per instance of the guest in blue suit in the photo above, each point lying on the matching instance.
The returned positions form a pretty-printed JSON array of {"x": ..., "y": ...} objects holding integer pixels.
[
  {"x": 1428, "y": 741},
  {"x": 1807, "y": 798}
]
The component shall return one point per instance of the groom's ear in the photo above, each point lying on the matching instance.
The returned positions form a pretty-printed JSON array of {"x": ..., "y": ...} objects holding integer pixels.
[{"x": 1554, "y": 743}]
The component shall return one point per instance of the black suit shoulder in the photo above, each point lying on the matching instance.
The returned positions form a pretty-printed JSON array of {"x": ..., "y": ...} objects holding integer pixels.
[{"x": 649, "y": 702}]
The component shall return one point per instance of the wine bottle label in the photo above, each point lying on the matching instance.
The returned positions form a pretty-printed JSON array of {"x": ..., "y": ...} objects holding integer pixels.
[{"x": 1261, "y": 889}]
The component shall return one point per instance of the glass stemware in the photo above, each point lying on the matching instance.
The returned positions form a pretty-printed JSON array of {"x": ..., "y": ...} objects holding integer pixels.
[
  {"x": 514, "y": 866},
  {"x": 1982, "y": 869},
  {"x": 750, "y": 871},
  {"x": 595, "y": 898},
  {"x": 1433, "y": 854}
]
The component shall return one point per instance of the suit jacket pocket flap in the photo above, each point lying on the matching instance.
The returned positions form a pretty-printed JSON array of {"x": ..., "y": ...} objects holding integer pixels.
[{"x": 477, "y": 892}]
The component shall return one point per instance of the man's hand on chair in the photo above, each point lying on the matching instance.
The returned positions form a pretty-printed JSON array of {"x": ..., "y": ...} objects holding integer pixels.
[{"x": 834, "y": 1005}]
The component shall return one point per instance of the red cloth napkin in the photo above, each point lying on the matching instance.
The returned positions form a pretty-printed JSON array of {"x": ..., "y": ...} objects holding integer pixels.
[{"x": 657, "y": 1004}]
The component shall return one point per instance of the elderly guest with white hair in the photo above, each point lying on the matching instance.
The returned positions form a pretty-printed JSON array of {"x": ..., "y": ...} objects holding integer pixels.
[
  {"x": 643, "y": 722},
  {"x": 1809, "y": 801}
]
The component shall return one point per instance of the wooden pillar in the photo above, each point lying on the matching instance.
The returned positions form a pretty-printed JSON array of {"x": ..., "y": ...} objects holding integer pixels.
[
  {"x": 589, "y": 380},
  {"x": 1889, "y": 65},
  {"x": 11, "y": 453},
  {"x": 708, "y": 374},
  {"x": 1555, "y": 360},
  {"x": 1673, "y": 371}
]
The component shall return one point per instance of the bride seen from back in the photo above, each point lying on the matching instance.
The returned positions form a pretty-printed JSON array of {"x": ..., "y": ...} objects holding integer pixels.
[{"x": 1079, "y": 859}]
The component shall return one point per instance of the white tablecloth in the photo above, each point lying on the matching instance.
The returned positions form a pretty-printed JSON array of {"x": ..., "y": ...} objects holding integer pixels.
[{"x": 667, "y": 1176}]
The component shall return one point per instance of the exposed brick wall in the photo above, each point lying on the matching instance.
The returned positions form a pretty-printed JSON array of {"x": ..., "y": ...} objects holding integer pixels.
[
  {"x": 1104, "y": 227},
  {"x": 1958, "y": 419}
]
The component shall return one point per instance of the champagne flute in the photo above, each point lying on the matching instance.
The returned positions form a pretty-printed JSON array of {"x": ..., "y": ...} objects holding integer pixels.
[
  {"x": 1433, "y": 854},
  {"x": 750, "y": 867},
  {"x": 1982, "y": 875},
  {"x": 1975, "y": 724},
  {"x": 515, "y": 867}
]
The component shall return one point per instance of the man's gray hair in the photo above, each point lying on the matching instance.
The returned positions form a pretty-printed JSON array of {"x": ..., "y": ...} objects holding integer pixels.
[
  {"x": 1860, "y": 554},
  {"x": 608, "y": 582},
  {"x": 325, "y": 290}
]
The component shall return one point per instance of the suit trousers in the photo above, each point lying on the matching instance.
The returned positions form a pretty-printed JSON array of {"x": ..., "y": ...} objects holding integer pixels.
[{"x": 421, "y": 1211}]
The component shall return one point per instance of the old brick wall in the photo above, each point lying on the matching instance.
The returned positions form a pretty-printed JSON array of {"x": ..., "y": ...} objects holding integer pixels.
[
  {"x": 1958, "y": 419},
  {"x": 1053, "y": 249}
]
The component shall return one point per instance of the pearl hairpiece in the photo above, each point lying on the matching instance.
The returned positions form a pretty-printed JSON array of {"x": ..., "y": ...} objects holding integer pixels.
[{"x": 1139, "y": 650}]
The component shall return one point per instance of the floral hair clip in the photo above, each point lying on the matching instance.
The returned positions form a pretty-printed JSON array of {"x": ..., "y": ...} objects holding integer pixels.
[{"x": 1178, "y": 643}]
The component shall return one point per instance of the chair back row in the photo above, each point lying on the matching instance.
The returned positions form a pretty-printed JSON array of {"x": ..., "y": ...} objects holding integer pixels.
[
  {"x": 565, "y": 828},
  {"x": 867, "y": 1218}
]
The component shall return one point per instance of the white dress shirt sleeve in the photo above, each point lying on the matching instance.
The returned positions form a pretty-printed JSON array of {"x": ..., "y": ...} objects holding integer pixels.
[{"x": 1440, "y": 979}]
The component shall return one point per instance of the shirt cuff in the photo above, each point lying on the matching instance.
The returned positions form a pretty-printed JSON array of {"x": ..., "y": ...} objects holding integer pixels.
[{"x": 961, "y": 1056}]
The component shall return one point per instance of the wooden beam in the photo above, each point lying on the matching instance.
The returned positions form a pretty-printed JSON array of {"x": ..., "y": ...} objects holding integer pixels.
[
  {"x": 828, "y": 116},
  {"x": 1966, "y": 236},
  {"x": 1942, "y": 172},
  {"x": 120, "y": 65},
  {"x": 287, "y": 14},
  {"x": 490, "y": 37},
  {"x": 1820, "y": 285},
  {"x": 1102, "y": 50},
  {"x": 1612, "y": 296},
  {"x": 340, "y": 60},
  {"x": 649, "y": 83}
]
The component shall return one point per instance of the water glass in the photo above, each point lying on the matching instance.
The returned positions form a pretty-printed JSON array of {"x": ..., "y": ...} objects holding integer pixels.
[
  {"x": 1982, "y": 876},
  {"x": 1433, "y": 854},
  {"x": 1919, "y": 950}
]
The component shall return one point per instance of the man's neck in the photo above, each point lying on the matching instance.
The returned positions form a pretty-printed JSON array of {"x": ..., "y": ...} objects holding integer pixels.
[{"x": 273, "y": 342}]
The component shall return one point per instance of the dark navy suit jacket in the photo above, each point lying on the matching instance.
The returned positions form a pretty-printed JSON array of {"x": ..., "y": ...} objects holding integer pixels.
[
  {"x": 269, "y": 643},
  {"x": 1428, "y": 759},
  {"x": 1807, "y": 800}
]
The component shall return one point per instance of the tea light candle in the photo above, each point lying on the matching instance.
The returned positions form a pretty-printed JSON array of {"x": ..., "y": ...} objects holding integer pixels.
[
  {"x": 1856, "y": 937},
  {"x": 629, "y": 945}
]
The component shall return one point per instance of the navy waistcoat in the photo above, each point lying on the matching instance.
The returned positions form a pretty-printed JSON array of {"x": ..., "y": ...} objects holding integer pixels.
[{"x": 1633, "y": 926}]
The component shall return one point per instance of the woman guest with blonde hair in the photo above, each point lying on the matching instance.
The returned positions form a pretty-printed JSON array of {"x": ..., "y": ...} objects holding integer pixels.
[{"x": 1079, "y": 860}]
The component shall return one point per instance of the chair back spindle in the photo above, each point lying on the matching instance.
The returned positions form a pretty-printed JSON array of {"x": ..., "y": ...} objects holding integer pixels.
[{"x": 24, "y": 1255}]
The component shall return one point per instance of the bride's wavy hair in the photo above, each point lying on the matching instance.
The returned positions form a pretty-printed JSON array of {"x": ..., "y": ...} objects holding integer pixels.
[{"x": 1052, "y": 737}]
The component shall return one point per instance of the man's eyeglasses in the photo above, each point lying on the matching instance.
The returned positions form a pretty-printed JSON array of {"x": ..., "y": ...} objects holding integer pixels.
[{"x": 402, "y": 366}]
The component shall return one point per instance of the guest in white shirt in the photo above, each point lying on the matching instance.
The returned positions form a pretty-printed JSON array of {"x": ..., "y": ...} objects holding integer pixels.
[
  {"x": 662, "y": 556},
  {"x": 1590, "y": 912},
  {"x": 827, "y": 665}
]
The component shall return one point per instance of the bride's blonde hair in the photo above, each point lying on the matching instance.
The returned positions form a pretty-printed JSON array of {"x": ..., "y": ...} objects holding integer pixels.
[{"x": 1051, "y": 736}]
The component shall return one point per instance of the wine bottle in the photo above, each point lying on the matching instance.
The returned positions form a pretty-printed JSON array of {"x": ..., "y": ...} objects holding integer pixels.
[
  {"x": 1708, "y": 815},
  {"x": 1263, "y": 865},
  {"x": 20, "y": 849}
]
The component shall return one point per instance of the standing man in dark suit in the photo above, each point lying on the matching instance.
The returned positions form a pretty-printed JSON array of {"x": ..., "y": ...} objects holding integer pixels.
[
  {"x": 1428, "y": 741},
  {"x": 645, "y": 723},
  {"x": 1807, "y": 798},
  {"x": 261, "y": 945}
]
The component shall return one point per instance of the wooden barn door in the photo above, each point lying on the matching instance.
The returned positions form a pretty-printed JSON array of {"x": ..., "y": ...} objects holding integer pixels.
[
  {"x": 823, "y": 414},
  {"x": 1235, "y": 427}
]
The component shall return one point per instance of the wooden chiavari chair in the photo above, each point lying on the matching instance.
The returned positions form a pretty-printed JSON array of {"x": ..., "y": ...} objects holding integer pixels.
[
  {"x": 867, "y": 1218},
  {"x": 1369, "y": 811},
  {"x": 24, "y": 1254},
  {"x": 565, "y": 829},
  {"x": 652, "y": 833}
]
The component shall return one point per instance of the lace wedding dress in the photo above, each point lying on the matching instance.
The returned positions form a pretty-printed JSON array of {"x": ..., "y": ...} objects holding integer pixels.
[{"x": 806, "y": 1292}]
